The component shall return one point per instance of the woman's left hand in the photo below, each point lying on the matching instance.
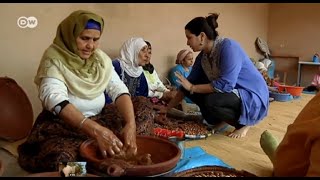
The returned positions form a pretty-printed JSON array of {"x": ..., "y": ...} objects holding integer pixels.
[
  {"x": 129, "y": 137},
  {"x": 183, "y": 81}
]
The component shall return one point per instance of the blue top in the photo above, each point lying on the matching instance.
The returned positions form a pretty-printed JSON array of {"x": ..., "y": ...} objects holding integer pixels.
[
  {"x": 237, "y": 72},
  {"x": 137, "y": 86},
  {"x": 173, "y": 78}
]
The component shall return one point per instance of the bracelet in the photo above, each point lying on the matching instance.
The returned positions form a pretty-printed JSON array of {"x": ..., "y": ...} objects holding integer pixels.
[
  {"x": 191, "y": 89},
  {"x": 81, "y": 123},
  {"x": 58, "y": 108}
]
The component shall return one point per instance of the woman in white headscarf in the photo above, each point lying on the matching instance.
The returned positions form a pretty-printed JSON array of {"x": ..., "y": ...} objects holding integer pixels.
[{"x": 133, "y": 55}]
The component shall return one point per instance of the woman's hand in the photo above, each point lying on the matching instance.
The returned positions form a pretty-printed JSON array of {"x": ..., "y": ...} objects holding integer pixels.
[
  {"x": 160, "y": 109},
  {"x": 171, "y": 88},
  {"x": 129, "y": 137},
  {"x": 168, "y": 95},
  {"x": 108, "y": 142},
  {"x": 183, "y": 81}
]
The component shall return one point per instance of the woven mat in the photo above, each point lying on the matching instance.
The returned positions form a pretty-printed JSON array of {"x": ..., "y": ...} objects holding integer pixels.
[{"x": 213, "y": 171}]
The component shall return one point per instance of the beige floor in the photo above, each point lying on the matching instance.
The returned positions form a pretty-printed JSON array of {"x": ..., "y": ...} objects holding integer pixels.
[
  {"x": 245, "y": 153},
  {"x": 242, "y": 154}
]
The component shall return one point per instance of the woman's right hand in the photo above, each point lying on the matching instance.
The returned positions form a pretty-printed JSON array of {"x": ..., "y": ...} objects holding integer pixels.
[
  {"x": 109, "y": 144},
  {"x": 160, "y": 109},
  {"x": 171, "y": 88},
  {"x": 166, "y": 96}
]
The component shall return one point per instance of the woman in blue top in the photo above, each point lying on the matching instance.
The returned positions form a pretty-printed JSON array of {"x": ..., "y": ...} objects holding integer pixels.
[
  {"x": 223, "y": 82},
  {"x": 133, "y": 55}
]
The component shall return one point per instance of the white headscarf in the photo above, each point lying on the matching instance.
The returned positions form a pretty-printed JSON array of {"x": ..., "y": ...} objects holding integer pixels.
[
  {"x": 266, "y": 62},
  {"x": 129, "y": 56},
  {"x": 260, "y": 66}
]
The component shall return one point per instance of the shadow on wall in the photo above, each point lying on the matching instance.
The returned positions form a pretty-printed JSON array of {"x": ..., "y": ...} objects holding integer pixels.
[
  {"x": 170, "y": 60},
  {"x": 169, "y": 63},
  {"x": 111, "y": 53}
]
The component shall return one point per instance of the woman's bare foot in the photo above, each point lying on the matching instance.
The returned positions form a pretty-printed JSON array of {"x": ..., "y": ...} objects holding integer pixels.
[
  {"x": 239, "y": 133},
  {"x": 220, "y": 127}
]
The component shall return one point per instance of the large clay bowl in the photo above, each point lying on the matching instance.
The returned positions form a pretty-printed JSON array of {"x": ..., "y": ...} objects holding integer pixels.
[
  {"x": 164, "y": 154},
  {"x": 16, "y": 118},
  {"x": 53, "y": 174},
  {"x": 1, "y": 167}
]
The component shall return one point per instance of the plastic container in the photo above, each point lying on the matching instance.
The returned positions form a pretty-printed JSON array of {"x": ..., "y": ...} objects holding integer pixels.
[
  {"x": 282, "y": 97},
  {"x": 315, "y": 58},
  {"x": 293, "y": 90}
]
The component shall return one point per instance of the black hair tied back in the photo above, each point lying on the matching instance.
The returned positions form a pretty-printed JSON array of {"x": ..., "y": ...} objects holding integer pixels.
[{"x": 212, "y": 20}]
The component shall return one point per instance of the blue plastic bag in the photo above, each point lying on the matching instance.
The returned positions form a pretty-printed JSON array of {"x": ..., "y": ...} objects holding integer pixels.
[{"x": 197, "y": 157}]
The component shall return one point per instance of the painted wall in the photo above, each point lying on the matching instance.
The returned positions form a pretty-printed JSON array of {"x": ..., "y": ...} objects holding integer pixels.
[
  {"x": 161, "y": 24},
  {"x": 294, "y": 30}
]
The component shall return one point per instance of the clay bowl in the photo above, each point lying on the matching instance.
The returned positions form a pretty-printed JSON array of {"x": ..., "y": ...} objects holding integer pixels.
[
  {"x": 16, "y": 118},
  {"x": 53, "y": 174},
  {"x": 1, "y": 167},
  {"x": 164, "y": 154}
]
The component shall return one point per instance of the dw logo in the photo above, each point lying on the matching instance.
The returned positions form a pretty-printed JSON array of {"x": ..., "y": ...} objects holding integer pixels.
[{"x": 30, "y": 22}]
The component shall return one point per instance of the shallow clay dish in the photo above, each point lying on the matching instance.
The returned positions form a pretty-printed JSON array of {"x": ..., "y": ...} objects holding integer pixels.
[
  {"x": 53, "y": 174},
  {"x": 164, "y": 154}
]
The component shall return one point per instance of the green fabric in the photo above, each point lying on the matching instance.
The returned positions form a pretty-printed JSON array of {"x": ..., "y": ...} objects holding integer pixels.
[
  {"x": 268, "y": 144},
  {"x": 62, "y": 61},
  {"x": 149, "y": 76},
  {"x": 68, "y": 30}
]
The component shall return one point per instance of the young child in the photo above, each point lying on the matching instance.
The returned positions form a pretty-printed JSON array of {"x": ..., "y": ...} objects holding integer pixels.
[
  {"x": 315, "y": 84},
  {"x": 184, "y": 63}
]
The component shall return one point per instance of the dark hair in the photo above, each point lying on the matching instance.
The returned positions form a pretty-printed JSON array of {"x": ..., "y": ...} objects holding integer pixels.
[
  {"x": 207, "y": 25},
  {"x": 148, "y": 67},
  {"x": 149, "y": 45}
]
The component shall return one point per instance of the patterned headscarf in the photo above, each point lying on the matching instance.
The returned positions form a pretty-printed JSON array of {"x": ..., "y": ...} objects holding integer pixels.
[
  {"x": 85, "y": 78},
  {"x": 211, "y": 63},
  {"x": 129, "y": 56},
  {"x": 181, "y": 55}
]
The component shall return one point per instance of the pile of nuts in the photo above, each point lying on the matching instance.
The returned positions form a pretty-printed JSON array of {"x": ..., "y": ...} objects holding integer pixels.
[
  {"x": 192, "y": 128},
  {"x": 188, "y": 127}
]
